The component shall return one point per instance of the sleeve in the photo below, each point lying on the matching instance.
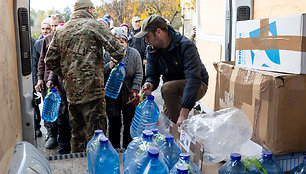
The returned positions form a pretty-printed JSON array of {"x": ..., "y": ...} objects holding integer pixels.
[
  {"x": 152, "y": 74},
  {"x": 53, "y": 57},
  {"x": 138, "y": 76},
  {"x": 35, "y": 57},
  {"x": 107, "y": 59},
  {"x": 41, "y": 63},
  {"x": 54, "y": 78},
  {"x": 192, "y": 71}
]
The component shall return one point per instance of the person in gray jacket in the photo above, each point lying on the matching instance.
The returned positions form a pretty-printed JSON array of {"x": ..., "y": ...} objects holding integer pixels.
[{"x": 128, "y": 97}]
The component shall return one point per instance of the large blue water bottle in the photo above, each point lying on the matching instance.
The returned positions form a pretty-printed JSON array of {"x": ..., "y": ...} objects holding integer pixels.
[
  {"x": 51, "y": 106},
  {"x": 115, "y": 81},
  {"x": 91, "y": 147},
  {"x": 234, "y": 166},
  {"x": 171, "y": 151},
  {"x": 151, "y": 164},
  {"x": 269, "y": 164},
  {"x": 158, "y": 138},
  {"x": 137, "y": 148},
  {"x": 106, "y": 159},
  {"x": 300, "y": 169},
  {"x": 145, "y": 118},
  {"x": 185, "y": 161}
]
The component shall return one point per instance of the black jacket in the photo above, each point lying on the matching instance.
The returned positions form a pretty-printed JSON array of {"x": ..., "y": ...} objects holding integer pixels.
[
  {"x": 138, "y": 43},
  {"x": 182, "y": 61}
]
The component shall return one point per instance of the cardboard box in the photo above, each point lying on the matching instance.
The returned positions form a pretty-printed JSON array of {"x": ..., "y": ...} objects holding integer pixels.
[
  {"x": 275, "y": 44},
  {"x": 275, "y": 103}
]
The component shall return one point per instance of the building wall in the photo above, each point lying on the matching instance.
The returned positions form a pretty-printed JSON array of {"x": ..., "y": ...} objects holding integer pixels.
[{"x": 10, "y": 117}]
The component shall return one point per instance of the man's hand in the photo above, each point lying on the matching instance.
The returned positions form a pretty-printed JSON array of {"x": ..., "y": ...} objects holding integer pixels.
[
  {"x": 111, "y": 64},
  {"x": 39, "y": 86},
  {"x": 147, "y": 88},
  {"x": 50, "y": 84},
  {"x": 144, "y": 62},
  {"x": 183, "y": 116}
]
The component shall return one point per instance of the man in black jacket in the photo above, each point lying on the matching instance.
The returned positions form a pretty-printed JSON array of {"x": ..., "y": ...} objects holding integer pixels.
[{"x": 176, "y": 58}]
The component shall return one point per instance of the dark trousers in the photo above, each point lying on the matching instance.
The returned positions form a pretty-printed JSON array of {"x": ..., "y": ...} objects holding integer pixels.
[{"x": 114, "y": 107}]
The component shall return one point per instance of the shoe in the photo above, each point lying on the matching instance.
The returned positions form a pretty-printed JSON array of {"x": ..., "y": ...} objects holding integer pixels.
[
  {"x": 63, "y": 151},
  {"x": 38, "y": 133},
  {"x": 51, "y": 143}
]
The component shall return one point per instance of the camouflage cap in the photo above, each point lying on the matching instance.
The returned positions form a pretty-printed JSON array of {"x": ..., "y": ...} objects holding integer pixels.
[
  {"x": 151, "y": 23},
  {"x": 79, "y": 4}
]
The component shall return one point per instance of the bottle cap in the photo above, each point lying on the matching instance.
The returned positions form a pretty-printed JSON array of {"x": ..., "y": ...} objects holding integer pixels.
[
  {"x": 235, "y": 156},
  {"x": 121, "y": 63},
  {"x": 184, "y": 156},
  {"x": 182, "y": 169},
  {"x": 53, "y": 89},
  {"x": 169, "y": 138},
  {"x": 97, "y": 132},
  {"x": 155, "y": 131},
  {"x": 103, "y": 140},
  {"x": 153, "y": 152},
  {"x": 147, "y": 134},
  {"x": 150, "y": 97},
  {"x": 266, "y": 154}
]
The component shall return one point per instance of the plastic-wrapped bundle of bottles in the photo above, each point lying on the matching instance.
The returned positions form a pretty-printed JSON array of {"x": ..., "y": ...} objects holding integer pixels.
[
  {"x": 106, "y": 160},
  {"x": 171, "y": 151},
  {"x": 185, "y": 161},
  {"x": 137, "y": 148},
  {"x": 234, "y": 166},
  {"x": 115, "y": 81},
  {"x": 51, "y": 106},
  {"x": 300, "y": 169},
  {"x": 158, "y": 138},
  {"x": 91, "y": 148},
  {"x": 150, "y": 164},
  {"x": 267, "y": 162},
  {"x": 145, "y": 118}
]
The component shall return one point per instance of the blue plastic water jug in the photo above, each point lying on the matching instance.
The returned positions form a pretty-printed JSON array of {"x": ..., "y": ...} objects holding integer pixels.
[
  {"x": 51, "y": 106},
  {"x": 106, "y": 159},
  {"x": 158, "y": 138},
  {"x": 115, "y": 81},
  {"x": 269, "y": 164},
  {"x": 234, "y": 166},
  {"x": 151, "y": 164},
  {"x": 300, "y": 169},
  {"x": 91, "y": 147},
  {"x": 137, "y": 148},
  {"x": 171, "y": 151},
  {"x": 145, "y": 118},
  {"x": 185, "y": 161}
]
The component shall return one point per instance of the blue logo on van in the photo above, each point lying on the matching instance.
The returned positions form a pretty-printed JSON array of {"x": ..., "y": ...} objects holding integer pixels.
[{"x": 273, "y": 55}]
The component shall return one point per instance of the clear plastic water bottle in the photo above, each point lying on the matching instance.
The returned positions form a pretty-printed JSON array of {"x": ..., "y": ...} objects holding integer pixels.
[
  {"x": 51, "y": 106},
  {"x": 234, "y": 166},
  {"x": 171, "y": 151},
  {"x": 269, "y": 164},
  {"x": 151, "y": 164},
  {"x": 145, "y": 118},
  {"x": 137, "y": 148},
  {"x": 92, "y": 146},
  {"x": 115, "y": 81},
  {"x": 106, "y": 158},
  {"x": 158, "y": 138},
  {"x": 300, "y": 169},
  {"x": 185, "y": 161},
  {"x": 182, "y": 170}
]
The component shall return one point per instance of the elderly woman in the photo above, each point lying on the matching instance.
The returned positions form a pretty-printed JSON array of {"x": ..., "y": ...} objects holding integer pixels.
[{"x": 128, "y": 97}]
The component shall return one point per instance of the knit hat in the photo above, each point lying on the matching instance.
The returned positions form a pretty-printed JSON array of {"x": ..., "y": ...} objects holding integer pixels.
[
  {"x": 119, "y": 33},
  {"x": 125, "y": 25},
  {"x": 47, "y": 20},
  {"x": 79, "y": 4}
]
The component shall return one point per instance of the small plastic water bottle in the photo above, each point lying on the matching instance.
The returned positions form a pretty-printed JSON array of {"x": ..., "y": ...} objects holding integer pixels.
[
  {"x": 91, "y": 148},
  {"x": 145, "y": 118},
  {"x": 171, "y": 151},
  {"x": 51, "y": 106},
  {"x": 115, "y": 81},
  {"x": 234, "y": 166},
  {"x": 106, "y": 158},
  {"x": 269, "y": 164},
  {"x": 300, "y": 169},
  {"x": 158, "y": 138},
  {"x": 151, "y": 164},
  {"x": 185, "y": 161}
]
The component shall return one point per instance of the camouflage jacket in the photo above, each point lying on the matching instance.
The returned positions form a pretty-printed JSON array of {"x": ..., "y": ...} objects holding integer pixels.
[{"x": 76, "y": 54}]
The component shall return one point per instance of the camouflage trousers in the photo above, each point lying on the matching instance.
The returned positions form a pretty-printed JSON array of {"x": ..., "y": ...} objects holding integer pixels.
[{"x": 84, "y": 120}]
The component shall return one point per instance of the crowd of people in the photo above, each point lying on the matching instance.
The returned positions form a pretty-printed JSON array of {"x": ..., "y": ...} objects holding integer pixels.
[{"x": 77, "y": 57}]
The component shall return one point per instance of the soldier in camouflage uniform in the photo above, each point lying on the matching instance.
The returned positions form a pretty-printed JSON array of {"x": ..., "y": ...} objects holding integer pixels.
[{"x": 75, "y": 54}]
